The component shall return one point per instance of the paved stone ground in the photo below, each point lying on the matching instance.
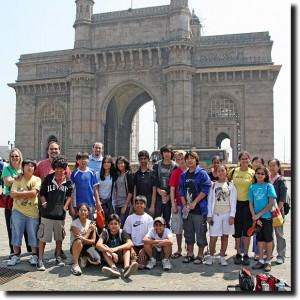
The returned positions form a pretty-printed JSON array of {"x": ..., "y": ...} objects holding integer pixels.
[{"x": 183, "y": 277}]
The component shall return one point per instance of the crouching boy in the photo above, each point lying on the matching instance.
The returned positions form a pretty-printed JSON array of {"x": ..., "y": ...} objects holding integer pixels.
[
  {"x": 158, "y": 243},
  {"x": 115, "y": 246}
]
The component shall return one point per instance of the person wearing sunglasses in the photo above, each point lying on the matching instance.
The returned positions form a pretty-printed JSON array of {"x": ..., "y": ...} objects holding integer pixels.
[{"x": 10, "y": 173}]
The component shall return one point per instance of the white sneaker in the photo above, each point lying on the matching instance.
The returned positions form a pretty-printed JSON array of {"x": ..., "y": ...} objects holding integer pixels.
[
  {"x": 111, "y": 272},
  {"x": 151, "y": 263},
  {"x": 83, "y": 262},
  {"x": 223, "y": 261},
  {"x": 76, "y": 269},
  {"x": 33, "y": 260},
  {"x": 166, "y": 264},
  {"x": 60, "y": 262},
  {"x": 209, "y": 260},
  {"x": 14, "y": 260},
  {"x": 279, "y": 261}
]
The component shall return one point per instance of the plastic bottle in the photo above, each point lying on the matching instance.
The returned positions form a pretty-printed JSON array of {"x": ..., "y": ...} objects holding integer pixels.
[{"x": 185, "y": 215}]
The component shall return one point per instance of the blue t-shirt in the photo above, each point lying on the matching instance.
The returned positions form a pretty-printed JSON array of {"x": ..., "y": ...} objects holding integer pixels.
[
  {"x": 84, "y": 182},
  {"x": 260, "y": 194}
]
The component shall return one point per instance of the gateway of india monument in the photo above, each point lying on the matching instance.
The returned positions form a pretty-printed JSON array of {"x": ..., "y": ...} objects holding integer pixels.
[{"x": 204, "y": 88}]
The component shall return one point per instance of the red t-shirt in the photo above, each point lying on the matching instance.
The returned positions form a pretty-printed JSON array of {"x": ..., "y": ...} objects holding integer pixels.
[{"x": 174, "y": 182}]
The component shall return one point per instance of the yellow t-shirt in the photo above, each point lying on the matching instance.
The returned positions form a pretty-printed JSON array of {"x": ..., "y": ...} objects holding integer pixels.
[
  {"x": 28, "y": 206},
  {"x": 242, "y": 181}
]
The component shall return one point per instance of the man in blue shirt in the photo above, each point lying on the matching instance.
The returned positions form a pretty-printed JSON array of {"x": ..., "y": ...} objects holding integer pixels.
[{"x": 95, "y": 159}]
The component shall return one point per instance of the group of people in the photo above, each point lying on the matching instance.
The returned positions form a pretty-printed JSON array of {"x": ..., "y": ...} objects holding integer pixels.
[{"x": 142, "y": 210}]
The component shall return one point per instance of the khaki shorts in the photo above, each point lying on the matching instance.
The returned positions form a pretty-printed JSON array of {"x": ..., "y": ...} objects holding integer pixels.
[{"x": 48, "y": 226}]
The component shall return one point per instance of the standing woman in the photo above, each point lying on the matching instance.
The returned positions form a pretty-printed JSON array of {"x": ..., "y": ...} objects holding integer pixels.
[
  {"x": 242, "y": 177},
  {"x": 10, "y": 173},
  {"x": 108, "y": 176},
  {"x": 213, "y": 175},
  {"x": 280, "y": 187},
  {"x": 124, "y": 187}
]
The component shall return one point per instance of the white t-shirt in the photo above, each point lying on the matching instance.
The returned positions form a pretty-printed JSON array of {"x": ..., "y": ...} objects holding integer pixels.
[
  {"x": 138, "y": 226},
  {"x": 82, "y": 230},
  {"x": 152, "y": 235},
  {"x": 222, "y": 203}
]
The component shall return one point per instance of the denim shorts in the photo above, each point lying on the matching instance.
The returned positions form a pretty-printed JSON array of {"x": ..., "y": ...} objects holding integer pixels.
[{"x": 18, "y": 224}]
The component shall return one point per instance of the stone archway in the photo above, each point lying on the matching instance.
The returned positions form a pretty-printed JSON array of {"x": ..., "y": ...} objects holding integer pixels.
[{"x": 221, "y": 136}]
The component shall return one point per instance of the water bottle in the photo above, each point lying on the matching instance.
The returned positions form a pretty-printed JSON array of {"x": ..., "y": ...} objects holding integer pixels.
[
  {"x": 185, "y": 215},
  {"x": 281, "y": 286}
]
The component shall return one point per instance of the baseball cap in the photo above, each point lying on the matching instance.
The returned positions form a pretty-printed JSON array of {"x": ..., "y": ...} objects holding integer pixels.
[{"x": 160, "y": 219}]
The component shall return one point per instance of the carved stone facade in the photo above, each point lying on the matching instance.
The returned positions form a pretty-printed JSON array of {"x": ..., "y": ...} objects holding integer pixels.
[{"x": 205, "y": 88}]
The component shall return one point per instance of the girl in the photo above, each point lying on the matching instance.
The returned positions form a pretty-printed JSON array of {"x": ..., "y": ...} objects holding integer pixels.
[
  {"x": 115, "y": 246},
  {"x": 261, "y": 200},
  {"x": 280, "y": 187},
  {"x": 242, "y": 177},
  {"x": 216, "y": 160},
  {"x": 107, "y": 178},
  {"x": 255, "y": 163},
  {"x": 83, "y": 238},
  {"x": 25, "y": 212},
  {"x": 123, "y": 189},
  {"x": 222, "y": 199}
]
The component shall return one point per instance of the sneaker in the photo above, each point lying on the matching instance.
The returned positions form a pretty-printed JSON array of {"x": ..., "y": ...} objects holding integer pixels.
[
  {"x": 83, "y": 262},
  {"x": 246, "y": 260},
  {"x": 258, "y": 265},
  {"x": 267, "y": 267},
  {"x": 33, "y": 260},
  {"x": 279, "y": 261},
  {"x": 111, "y": 272},
  {"x": 256, "y": 257},
  {"x": 130, "y": 270},
  {"x": 75, "y": 269},
  {"x": 223, "y": 261},
  {"x": 238, "y": 259},
  {"x": 151, "y": 263},
  {"x": 166, "y": 264},
  {"x": 60, "y": 262},
  {"x": 209, "y": 260},
  {"x": 40, "y": 266},
  {"x": 11, "y": 255},
  {"x": 14, "y": 260}
]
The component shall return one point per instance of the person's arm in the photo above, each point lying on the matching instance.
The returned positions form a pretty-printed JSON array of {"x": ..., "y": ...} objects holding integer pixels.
[
  {"x": 127, "y": 246},
  {"x": 89, "y": 238},
  {"x": 97, "y": 199}
]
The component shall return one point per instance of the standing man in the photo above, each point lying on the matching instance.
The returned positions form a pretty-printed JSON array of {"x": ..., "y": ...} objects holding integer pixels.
[
  {"x": 144, "y": 182},
  {"x": 194, "y": 186},
  {"x": 44, "y": 167},
  {"x": 95, "y": 159},
  {"x": 163, "y": 169}
]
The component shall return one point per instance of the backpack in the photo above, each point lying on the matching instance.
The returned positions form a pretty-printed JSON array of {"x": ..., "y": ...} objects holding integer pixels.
[
  {"x": 107, "y": 235},
  {"x": 246, "y": 280}
]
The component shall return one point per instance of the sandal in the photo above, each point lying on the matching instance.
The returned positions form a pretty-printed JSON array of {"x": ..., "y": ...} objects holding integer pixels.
[
  {"x": 188, "y": 259},
  {"x": 176, "y": 255},
  {"x": 198, "y": 260}
]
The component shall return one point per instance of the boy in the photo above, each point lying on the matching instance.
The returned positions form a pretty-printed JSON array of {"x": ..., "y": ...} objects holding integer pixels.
[
  {"x": 55, "y": 197},
  {"x": 115, "y": 245},
  {"x": 137, "y": 225},
  {"x": 86, "y": 185},
  {"x": 163, "y": 169},
  {"x": 158, "y": 242}
]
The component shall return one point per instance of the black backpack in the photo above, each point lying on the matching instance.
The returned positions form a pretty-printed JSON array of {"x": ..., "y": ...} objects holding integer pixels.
[{"x": 246, "y": 280}]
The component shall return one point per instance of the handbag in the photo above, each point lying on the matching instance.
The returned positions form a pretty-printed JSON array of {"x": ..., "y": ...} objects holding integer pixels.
[
  {"x": 6, "y": 201},
  {"x": 246, "y": 280},
  {"x": 100, "y": 219},
  {"x": 253, "y": 229},
  {"x": 276, "y": 215},
  {"x": 267, "y": 278}
]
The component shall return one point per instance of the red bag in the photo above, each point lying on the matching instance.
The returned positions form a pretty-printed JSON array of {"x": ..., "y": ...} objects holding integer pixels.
[
  {"x": 100, "y": 219},
  {"x": 6, "y": 201},
  {"x": 270, "y": 279}
]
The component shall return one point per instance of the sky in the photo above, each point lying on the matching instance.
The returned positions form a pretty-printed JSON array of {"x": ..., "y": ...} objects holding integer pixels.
[{"x": 32, "y": 26}]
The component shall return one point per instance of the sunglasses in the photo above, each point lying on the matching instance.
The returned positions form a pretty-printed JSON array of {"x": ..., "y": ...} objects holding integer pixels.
[
  {"x": 258, "y": 173},
  {"x": 14, "y": 156}
]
